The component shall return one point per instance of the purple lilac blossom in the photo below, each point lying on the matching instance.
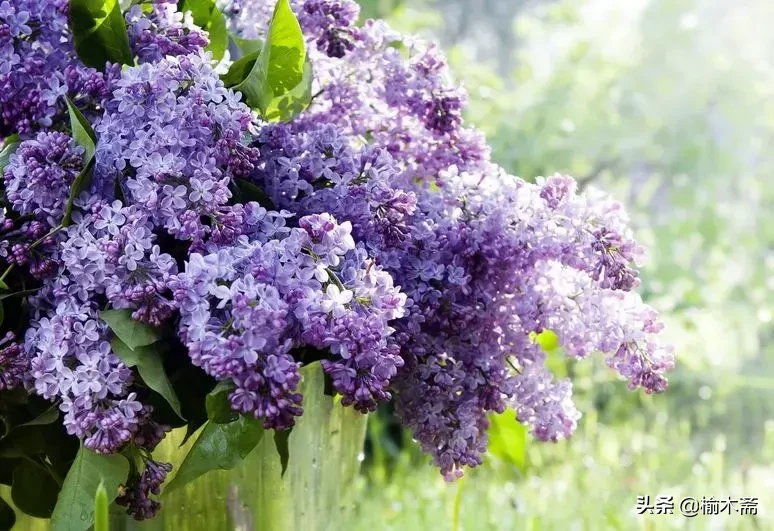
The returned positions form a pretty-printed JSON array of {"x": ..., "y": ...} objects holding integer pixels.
[
  {"x": 163, "y": 32},
  {"x": 173, "y": 138},
  {"x": 418, "y": 268},
  {"x": 108, "y": 251},
  {"x": 246, "y": 308},
  {"x": 40, "y": 173},
  {"x": 38, "y": 67},
  {"x": 137, "y": 493}
]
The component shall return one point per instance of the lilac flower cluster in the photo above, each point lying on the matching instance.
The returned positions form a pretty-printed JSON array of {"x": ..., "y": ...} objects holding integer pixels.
[
  {"x": 487, "y": 260},
  {"x": 136, "y": 496},
  {"x": 172, "y": 137},
  {"x": 108, "y": 252},
  {"x": 247, "y": 309},
  {"x": 38, "y": 66},
  {"x": 13, "y": 363},
  {"x": 40, "y": 174},
  {"x": 163, "y": 32},
  {"x": 396, "y": 253}
]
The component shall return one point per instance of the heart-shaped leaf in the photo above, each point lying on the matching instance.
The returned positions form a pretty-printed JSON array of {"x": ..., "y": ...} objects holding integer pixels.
[{"x": 74, "y": 509}]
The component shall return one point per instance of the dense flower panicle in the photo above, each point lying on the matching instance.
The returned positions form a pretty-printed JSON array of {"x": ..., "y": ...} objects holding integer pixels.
[
  {"x": 395, "y": 251},
  {"x": 27, "y": 243},
  {"x": 247, "y": 308},
  {"x": 172, "y": 136},
  {"x": 40, "y": 173},
  {"x": 38, "y": 67},
  {"x": 319, "y": 170},
  {"x": 162, "y": 32},
  {"x": 378, "y": 84},
  {"x": 108, "y": 251}
]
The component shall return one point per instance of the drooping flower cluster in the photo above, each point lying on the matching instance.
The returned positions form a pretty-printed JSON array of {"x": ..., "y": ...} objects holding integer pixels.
[
  {"x": 109, "y": 253},
  {"x": 386, "y": 244},
  {"x": 136, "y": 497}
]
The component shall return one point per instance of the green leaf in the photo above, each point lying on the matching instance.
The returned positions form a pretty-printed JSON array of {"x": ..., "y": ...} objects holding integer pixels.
[
  {"x": 75, "y": 507},
  {"x": 34, "y": 490},
  {"x": 218, "y": 32},
  {"x": 101, "y": 509},
  {"x": 149, "y": 362},
  {"x": 218, "y": 407},
  {"x": 133, "y": 333},
  {"x": 81, "y": 182},
  {"x": 99, "y": 32},
  {"x": 290, "y": 105},
  {"x": 219, "y": 447},
  {"x": 6, "y": 470},
  {"x": 200, "y": 10},
  {"x": 7, "y": 516},
  {"x": 280, "y": 65},
  {"x": 245, "y": 191},
  {"x": 23, "y": 441},
  {"x": 84, "y": 136},
  {"x": 83, "y": 133},
  {"x": 281, "y": 443},
  {"x": 49, "y": 416},
  {"x": 10, "y": 144},
  {"x": 247, "y": 46},
  {"x": 239, "y": 69}
]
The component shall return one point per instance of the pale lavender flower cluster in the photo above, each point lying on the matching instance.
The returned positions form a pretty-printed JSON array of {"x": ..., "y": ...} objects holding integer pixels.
[
  {"x": 38, "y": 66},
  {"x": 172, "y": 138},
  {"x": 247, "y": 310},
  {"x": 109, "y": 253}
]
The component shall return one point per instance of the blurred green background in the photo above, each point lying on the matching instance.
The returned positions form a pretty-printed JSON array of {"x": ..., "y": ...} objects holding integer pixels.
[{"x": 669, "y": 105}]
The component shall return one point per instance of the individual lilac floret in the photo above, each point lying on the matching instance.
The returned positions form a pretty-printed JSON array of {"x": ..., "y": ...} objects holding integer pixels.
[
  {"x": 173, "y": 138},
  {"x": 136, "y": 497},
  {"x": 40, "y": 173},
  {"x": 163, "y": 32},
  {"x": 38, "y": 66}
]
